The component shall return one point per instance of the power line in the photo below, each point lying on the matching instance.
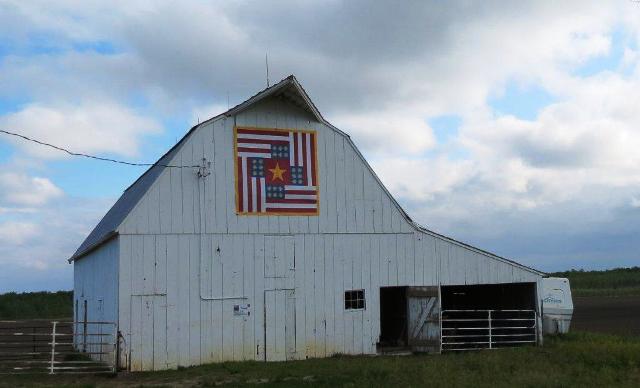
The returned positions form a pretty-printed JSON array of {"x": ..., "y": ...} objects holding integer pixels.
[{"x": 93, "y": 156}]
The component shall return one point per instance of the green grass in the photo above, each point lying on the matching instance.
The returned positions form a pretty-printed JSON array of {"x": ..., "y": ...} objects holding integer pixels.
[
  {"x": 36, "y": 305},
  {"x": 614, "y": 282},
  {"x": 574, "y": 360}
]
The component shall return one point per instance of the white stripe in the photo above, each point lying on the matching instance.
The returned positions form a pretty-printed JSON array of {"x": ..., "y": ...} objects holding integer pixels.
[
  {"x": 300, "y": 196},
  {"x": 309, "y": 177},
  {"x": 262, "y": 137},
  {"x": 253, "y": 145},
  {"x": 244, "y": 184},
  {"x": 291, "y": 148},
  {"x": 254, "y": 155},
  {"x": 254, "y": 195},
  {"x": 263, "y": 196},
  {"x": 305, "y": 188},
  {"x": 300, "y": 161},
  {"x": 291, "y": 205}
]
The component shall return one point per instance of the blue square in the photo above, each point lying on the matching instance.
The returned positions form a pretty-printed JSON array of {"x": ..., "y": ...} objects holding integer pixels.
[
  {"x": 275, "y": 191},
  {"x": 280, "y": 151},
  {"x": 257, "y": 167},
  {"x": 297, "y": 175}
]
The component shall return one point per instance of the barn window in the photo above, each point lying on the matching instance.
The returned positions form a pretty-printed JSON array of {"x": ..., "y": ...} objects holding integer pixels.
[{"x": 354, "y": 300}]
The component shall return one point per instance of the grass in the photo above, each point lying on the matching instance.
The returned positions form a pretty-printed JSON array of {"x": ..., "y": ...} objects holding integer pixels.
[
  {"x": 614, "y": 282},
  {"x": 36, "y": 305},
  {"x": 574, "y": 360}
]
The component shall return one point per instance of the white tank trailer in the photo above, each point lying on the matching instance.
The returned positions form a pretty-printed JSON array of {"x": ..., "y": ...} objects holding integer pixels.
[{"x": 557, "y": 305}]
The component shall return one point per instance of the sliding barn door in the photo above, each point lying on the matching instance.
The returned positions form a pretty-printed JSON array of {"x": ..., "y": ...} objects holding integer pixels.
[{"x": 423, "y": 319}]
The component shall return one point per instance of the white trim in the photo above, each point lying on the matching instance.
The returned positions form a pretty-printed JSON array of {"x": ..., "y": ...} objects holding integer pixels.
[
  {"x": 292, "y": 205},
  {"x": 300, "y": 196},
  {"x": 244, "y": 184}
]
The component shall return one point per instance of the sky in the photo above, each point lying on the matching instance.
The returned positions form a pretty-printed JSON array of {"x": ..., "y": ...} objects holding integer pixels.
[{"x": 512, "y": 126}]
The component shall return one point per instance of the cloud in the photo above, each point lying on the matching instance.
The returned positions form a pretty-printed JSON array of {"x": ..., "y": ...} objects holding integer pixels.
[
  {"x": 23, "y": 190},
  {"x": 515, "y": 186},
  {"x": 89, "y": 128},
  {"x": 17, "y": 233}
]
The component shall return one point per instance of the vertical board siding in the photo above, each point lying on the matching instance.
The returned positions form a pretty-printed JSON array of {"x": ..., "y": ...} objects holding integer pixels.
[
  {"x": 95, "y": 279},
  {"x": 185, "y": 252}
]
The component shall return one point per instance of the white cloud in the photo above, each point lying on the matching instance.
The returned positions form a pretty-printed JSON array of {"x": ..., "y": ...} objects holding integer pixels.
[
  {"x": 88, "y": 127},
  {"x": 378, "y": 78},
  {"x": 17, "y": 233},
  {"x": 23, "y": 190}
]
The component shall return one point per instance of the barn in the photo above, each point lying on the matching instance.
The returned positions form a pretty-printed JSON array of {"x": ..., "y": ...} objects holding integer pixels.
[{"x": 264, "y": 234}]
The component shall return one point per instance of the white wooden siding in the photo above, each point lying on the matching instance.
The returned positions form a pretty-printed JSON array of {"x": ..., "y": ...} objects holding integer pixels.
[{"x": 184, "y": 250}]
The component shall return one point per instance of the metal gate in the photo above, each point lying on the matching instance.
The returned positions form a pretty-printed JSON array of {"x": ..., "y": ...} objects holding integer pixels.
[
  {"x": 487, "y": 329},
  {"x": 57, "y": 347}
]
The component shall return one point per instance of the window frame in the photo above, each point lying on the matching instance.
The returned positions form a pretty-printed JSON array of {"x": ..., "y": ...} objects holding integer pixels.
[{"x": 354, "y": 299}]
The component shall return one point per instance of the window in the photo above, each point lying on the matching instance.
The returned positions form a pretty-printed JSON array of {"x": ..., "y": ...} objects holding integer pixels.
[{"x": 354, "y": 300}]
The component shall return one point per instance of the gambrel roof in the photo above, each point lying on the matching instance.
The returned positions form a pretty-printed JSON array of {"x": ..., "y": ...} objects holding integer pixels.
[{"x": 289, "y": 90}]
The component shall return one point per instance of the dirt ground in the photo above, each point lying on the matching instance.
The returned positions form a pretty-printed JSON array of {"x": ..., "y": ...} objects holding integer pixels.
[{"x": 605, "y": 314}]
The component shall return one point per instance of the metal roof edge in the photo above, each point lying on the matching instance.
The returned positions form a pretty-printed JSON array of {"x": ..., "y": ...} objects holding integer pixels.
[{"x": 79, "y": 255}]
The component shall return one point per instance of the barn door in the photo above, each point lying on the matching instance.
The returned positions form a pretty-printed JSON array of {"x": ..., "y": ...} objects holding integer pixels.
[
  {"x": 423, "y": 319},
  {"x": 148, "y": 339},
  {"x": 280, "y": 325}
]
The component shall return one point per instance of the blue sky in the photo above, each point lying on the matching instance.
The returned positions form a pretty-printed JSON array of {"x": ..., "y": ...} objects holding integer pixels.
[{"x": 511, "y": 126}]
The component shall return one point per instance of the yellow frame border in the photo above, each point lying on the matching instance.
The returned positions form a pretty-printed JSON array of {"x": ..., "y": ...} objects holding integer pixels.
[{"x": 236, "y": 178}]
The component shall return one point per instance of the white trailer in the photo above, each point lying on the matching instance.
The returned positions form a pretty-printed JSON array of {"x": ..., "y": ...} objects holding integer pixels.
[{"x": 557, "y": 305}]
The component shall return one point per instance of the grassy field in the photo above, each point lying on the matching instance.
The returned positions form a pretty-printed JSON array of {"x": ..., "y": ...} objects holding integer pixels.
[
  {"x": 575, "y": 360},
  {"x": 614, "y": 282},
  {"x": 34, "y": 305}
]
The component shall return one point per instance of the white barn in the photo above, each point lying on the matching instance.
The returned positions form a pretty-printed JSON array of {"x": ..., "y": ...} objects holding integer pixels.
[{"x": 208, "y": 264}]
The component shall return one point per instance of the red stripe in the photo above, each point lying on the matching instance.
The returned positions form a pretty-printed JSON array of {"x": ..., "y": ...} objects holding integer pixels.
[
  {"x": 286, "y": 200},
  {"x": 291, "y": 210},
  {"x": 304, "y": 192},
  {"x": 262, "y": 141},
  {"x": 304, "y": 158},
  {"x": 260, "y": 150},
  {"x": 313, "y": 159},
  {"x": 249, "y": 193},
  {"x": 295, "y": 149},
  {"x": 240, "y": 185},
  {"x": 263, "y": 132},
  {"x": 258, "y": 195}
]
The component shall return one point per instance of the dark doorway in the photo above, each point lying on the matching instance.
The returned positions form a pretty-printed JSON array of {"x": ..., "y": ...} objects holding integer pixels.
[
  {"x": 393, "y": 317},
  {"x": 509, "y": 296}
]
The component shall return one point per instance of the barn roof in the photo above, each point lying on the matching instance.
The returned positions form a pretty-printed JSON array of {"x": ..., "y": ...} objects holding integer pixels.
[{"x": 290, "y": 90}]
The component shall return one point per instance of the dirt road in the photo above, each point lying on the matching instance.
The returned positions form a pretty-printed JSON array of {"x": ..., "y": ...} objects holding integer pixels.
[{"x": 615, "y": 315}]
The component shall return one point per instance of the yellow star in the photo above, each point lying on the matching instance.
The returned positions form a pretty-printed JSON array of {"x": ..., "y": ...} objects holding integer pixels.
[{"x": 277, "y": 172}]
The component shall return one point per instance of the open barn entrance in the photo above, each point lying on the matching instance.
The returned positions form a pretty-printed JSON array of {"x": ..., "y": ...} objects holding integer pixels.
[
  {"x": 488, "y": 316},
  {"x": 409, "y": 319},
  {"x": 393, "y": 318}
]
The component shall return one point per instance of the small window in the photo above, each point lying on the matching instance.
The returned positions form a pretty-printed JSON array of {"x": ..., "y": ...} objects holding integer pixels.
[{"x": 354, "y": 300}]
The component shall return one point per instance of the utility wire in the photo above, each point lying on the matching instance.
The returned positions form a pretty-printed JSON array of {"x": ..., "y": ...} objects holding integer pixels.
[{"x": 92, "y": 156}]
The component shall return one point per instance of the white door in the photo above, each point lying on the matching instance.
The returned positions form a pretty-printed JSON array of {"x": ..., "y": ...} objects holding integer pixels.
[
  {"x": 423, "y": 319},
  {"x": 148, "y": 339},
  {"x": 280, "y": 325}
]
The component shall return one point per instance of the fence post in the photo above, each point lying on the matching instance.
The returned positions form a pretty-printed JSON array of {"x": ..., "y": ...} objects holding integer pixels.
[
  {"x": 490, "y": 339},
  {"x": 53, "y": 346}
]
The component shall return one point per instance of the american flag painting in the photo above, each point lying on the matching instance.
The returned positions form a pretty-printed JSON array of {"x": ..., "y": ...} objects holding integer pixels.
[{"x": 276, "y": 172}]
